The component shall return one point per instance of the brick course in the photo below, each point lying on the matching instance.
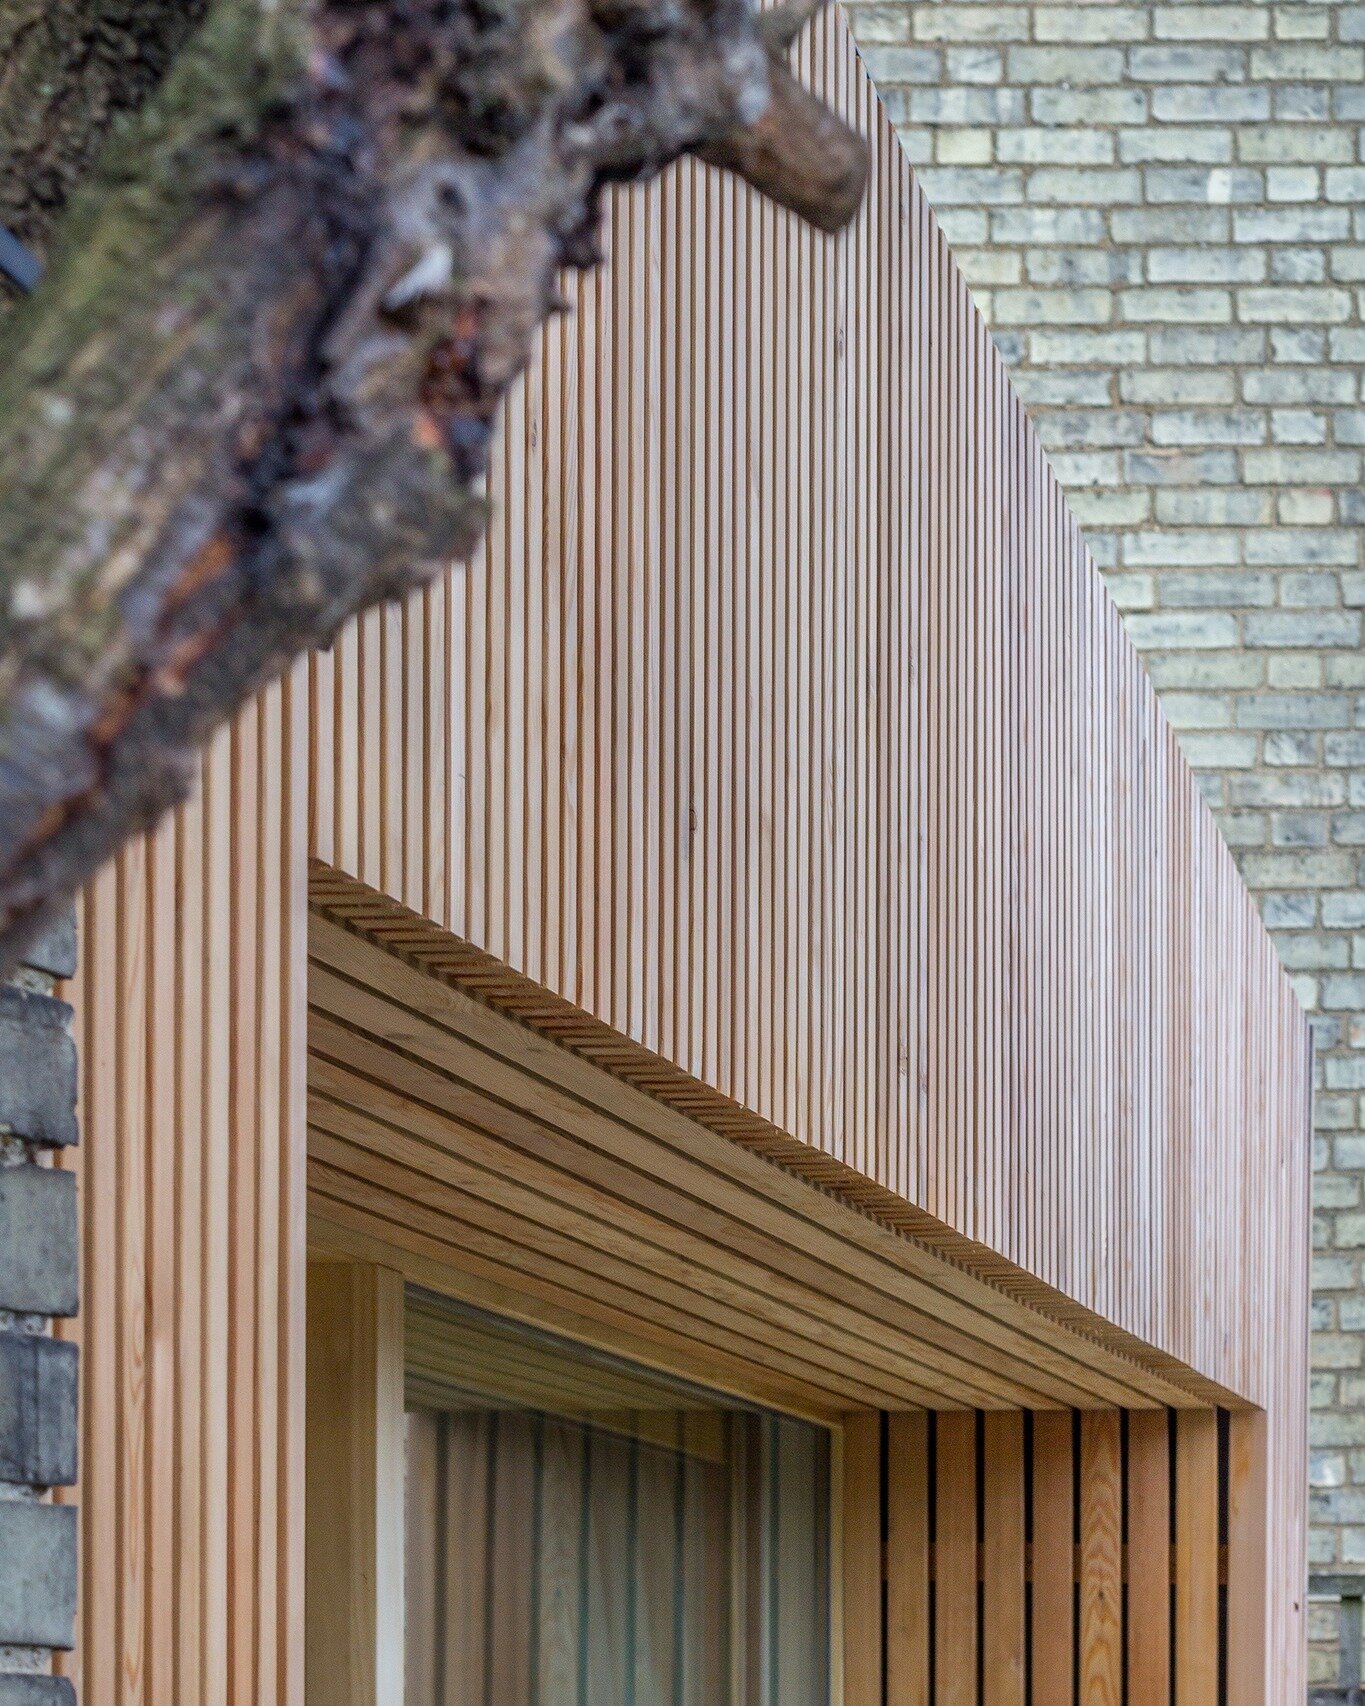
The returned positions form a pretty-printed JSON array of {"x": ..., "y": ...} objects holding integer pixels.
[{"x": 1161, "y": 210}]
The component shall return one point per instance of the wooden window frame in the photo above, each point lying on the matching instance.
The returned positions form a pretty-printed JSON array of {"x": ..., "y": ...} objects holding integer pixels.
[{"x": 355, "y": 1504}]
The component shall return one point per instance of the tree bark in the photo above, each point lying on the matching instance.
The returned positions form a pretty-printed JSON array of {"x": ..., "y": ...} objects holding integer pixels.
[{"x": 256, "y": 391}]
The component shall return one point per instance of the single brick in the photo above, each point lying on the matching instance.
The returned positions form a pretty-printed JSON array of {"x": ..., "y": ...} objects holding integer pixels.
[
  {"x": 37, "y": 1067},
  {"x": 37, "y": 1410},
  {"x": 1298, "y": 63},
  {"x": 1281, "y": 304},
  {"x": 968, "y": 106},
  {"x": 39, "y": 1241},
  {"x": 1174, "y": 144},
  {"x": 971, "y": 23},
  {"x": 1308, "y": 628},
  {"x": 1231, "y": 103},
  {"x": 38, "y": 1581},
  {"x": 1176, "y": 629},
  {"x": 53, "y": 950},
  {"x": 1076, "y": 67},
  {"x": 1178, "y": 63},
  {"x": 1088, "y": 106},
  {"x": 1211, "y": 23},
  {"x": 36, "y": 1691},
  {"x": 1176, "y": 304},
  {"x": 1100, "y": 24}
]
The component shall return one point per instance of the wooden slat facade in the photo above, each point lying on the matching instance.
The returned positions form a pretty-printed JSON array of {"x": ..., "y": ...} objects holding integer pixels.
[{"x": 783, "y": 758}]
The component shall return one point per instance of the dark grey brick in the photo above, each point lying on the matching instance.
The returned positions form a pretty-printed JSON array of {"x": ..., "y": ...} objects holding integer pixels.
[
  {"x": 37, "y": 1067},
  {"x": 39, "y": 1242},
  {"x": 38, "y": 1580},
  {"x": 53, "y": 950},
  {"x": 36, "y": 1691},
  {"x": 37, "y": 1410}
]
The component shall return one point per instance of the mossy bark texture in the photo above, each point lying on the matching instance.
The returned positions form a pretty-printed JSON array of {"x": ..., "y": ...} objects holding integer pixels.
[{"x": 255, "y": 392}]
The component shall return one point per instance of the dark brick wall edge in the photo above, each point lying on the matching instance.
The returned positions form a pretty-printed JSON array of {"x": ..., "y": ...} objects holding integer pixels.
[{"x": 39, "y": 1259}]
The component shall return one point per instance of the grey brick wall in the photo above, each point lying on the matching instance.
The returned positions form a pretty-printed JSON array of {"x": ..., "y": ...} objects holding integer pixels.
[
  {"x": 1161, "y": 209},
  {"x": 38, "y": 1284}
]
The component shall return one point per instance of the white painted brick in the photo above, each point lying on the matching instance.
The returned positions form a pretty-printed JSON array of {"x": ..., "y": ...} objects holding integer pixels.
[
  {"x": 970, "y": 105},
  {"x": 1304, "y": 64},
  {"x": 1218, "y": 185},
  {"x": 1206, "y": 265},
  {"x": 1181, "y": 467},
  {"x": 1222, "y": 23},
  {"x": 964, "y": 147},
  {"x": 1083, "y": 266},
  {"x": 1078, "y": 469},
  {"x": 1293, "y": 183},
  {"x": 1093, "y": 185},
  {"x": 1300, "y": 545},
  {"x": 1139, "y": 225},
  {"x": 985, "y": 267},
  {"x": 1091, "y": 307},
  {"x": 1183, "y": 306},
  {"x": 1217, "y": 751},
  {"x": 1175, "y": 144},
  {"x": 1298, "y": 426},
  {"x": 1346, "y": 183},
  {"x": 1102, "y": 24},
  {"x": 1072, "y": 226},
  {"x": 1088, "y": 106},
  {"x": 1279, "y": 304},
  {"x": 1298, "y": 266},
  {"x": 1215, "y": 591},
  {"x": 1075, "y": 67},
  {"x": 972, "y": 185},
  {"x": 1214, "y": 507},
  {"x": 894, "y": 64},
  {"x": 1030, "y": 146},
  {"x": 1309, "y": 628},
  {"x": 1093, "y": 428},
  {"x": 1085, "y": 349},
  {"x": 974, "y": 64},
  {"x": 1199, "y": 345},
  {"x": 1132, "y": 592},
  {"x": 1271, "y": 144},
  {"x": 1287, "y": 467},
  {"x": 1312, "y": 384},
  {"x": 1177, "y": 385},
  {"x": 1208, "y": 426},
  {"x": 1178, "y": 63},
  {"x": 1041, "y": 389},
  {"x": 1198, "y": 103},
  {"x": 1291, "y": 224},
  {"x": 1179, "y": 630},
  {"x": 971, "y": 23}
]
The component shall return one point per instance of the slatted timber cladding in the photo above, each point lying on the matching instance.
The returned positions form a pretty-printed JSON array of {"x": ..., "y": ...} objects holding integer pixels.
[
  {"x": 979, "y": 1527},
  {"x": 783, "y": 731}
]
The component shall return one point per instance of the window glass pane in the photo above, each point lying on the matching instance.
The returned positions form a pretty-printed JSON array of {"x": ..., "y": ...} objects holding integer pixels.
[{"x": 583, "y": 1533}]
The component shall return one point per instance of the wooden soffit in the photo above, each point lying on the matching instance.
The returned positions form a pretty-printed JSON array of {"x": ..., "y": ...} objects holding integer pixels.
[{"x": 501, "y": 1145}]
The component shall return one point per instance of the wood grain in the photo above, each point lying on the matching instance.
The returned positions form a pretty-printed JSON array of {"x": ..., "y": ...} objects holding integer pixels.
[
  {"x": 1101, "y": 1616},
  {"x": 909, "y": 1630},
  {"x": 955, "y": 1561},
  {"x": 1149, "y": 1558},
  {"x": 1196, "y": 1559},
  {"x": 1003, "y": 1628},
  {"x": 1053, "y": 1546},
  {"x": 861, "y": 1549}
]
